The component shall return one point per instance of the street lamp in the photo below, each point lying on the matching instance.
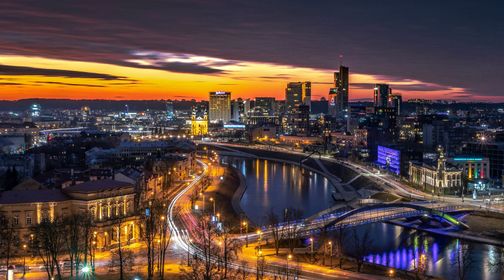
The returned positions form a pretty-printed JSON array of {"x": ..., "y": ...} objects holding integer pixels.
[
  {"x": 391, "y": 273},
  {"x": 24, "y": 260},
  {"x": 246, "y": 233},
  {"x": 213, "y": 202},
  {"x": 203, "y": 195},
  {"x": 289, "y": 257},
  {"x": 330, "y": 251},
  {"x": 311, "y": 247},
  {"x": 259, "y": 271},
  {"x": 259, "y": 232}
]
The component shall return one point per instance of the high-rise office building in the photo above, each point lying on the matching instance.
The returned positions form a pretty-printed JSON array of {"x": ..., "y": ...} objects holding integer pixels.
[
  {"x": 395, "y": 101},
  {"x": 381, "y": 95},
  {"x": 296, "y": 94},
  {"x": 220, "y": 106},
  {"x": 170, "y": 112},
  {"x": 266, "y": 103},
  {"x": 319, "y": 106},
  {"x": 297, "y": 108},
  {"x": 338, "y": 96},
  {"x": 240, "y": 109}
]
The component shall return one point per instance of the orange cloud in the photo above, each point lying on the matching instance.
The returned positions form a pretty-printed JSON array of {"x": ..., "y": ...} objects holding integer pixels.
[{"x": 154, "y": 75}]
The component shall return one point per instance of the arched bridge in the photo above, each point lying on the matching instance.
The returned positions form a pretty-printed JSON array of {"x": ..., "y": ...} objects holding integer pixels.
[
  {"x": 389, "y": 211},
  {"x": 344, "y": 218}
]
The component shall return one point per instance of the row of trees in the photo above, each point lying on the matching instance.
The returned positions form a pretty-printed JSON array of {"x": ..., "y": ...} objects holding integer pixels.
[
  {"x": 71, "y": 242},
  {"x": 50, "y": 241}
]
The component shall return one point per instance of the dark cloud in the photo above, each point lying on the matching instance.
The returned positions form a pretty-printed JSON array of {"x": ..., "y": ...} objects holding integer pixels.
[
  {"x": 10, "y": 70},
  {"x": 420, "y": 87},
  {"x": 362, "y": 85},
  {"x": 449, "y": 42},
  {"x": 322, "y": 83},
  {"x": 275, "y": 77},
  {"x": 10, "y": 84},
  {"x": 179, "y": 67},
  {"x": 68, "y": 84},
  {"x": 416, "y": 86}
]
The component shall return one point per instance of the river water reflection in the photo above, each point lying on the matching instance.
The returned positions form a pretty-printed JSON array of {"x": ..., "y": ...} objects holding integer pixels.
[{"x": 275, "y": 185}]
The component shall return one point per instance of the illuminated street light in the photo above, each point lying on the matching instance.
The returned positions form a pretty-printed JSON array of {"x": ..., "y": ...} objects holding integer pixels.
[
  {"x": 85, "y": 269},
  {"x": 330, "y": 251},
  {"x": 289, "y": 257},
  {"x": 246, "y": 233},
  {"x": 213, "y": 202},
  {"x": 259, "y": 232}
]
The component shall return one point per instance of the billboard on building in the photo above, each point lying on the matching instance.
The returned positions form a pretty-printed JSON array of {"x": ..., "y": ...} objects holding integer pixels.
[{"x": 389, "y": 159}]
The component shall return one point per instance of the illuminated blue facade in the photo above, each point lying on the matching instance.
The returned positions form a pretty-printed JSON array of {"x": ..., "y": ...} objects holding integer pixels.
[{"x": 389, "y": 159}]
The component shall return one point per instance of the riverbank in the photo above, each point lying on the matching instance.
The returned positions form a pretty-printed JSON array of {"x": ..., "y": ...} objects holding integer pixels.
[{"x": 226, "y": 194}]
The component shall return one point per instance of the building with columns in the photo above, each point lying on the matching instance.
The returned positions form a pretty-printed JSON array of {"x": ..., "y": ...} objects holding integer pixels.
[
  {"x": 438, "y": 178},
  {"x": 111, "y": 204}
]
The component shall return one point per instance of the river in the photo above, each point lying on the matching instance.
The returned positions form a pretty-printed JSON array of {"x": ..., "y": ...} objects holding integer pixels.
[{"x": 275, "y": 185}]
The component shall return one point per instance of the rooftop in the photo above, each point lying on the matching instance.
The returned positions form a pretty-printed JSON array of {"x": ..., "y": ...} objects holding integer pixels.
[
  {"x": 98, "y": 186},
  {"x": 31, "y": 196}
]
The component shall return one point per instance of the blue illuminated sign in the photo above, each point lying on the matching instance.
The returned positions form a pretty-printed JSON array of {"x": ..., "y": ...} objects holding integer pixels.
[
  {"x": 234, "y": 126},
  {"x": 468, "y": 159},
  {"x": 389, "y": 159}
]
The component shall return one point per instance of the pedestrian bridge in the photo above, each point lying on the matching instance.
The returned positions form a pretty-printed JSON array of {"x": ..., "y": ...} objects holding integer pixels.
[{"x": 390, "y": 211}]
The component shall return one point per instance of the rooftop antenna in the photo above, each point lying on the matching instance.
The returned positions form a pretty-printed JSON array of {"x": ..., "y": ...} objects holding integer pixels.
[{"x": 340, "y": 59}]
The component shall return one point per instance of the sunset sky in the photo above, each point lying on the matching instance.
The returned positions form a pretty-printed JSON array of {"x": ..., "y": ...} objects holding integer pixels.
[{"x": 184, "y": 49}]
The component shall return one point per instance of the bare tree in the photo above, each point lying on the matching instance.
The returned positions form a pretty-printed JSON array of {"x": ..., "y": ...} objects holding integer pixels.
[
  {"x": 242, "y": 273},
  {"x": 339, "y": 248},
  {"x": 203, "y": 266},
  {"x": 276, "y": 230},
  {"x": 151, "y": 222},
  {"x": 230, "y": 247},
  {"x": 164, "y": 238},
  {"x": 124, "y": 259},
  {"x": 9, "y": 240},
  {"x": 291, "y": 229},
  {"x": 48, "y": 243},
  {"x": 361, "y": 244},
  {"x": 77, "y": 230}
]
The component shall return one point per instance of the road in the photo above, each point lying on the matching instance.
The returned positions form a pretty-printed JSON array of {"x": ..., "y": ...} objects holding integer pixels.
[{"x": 184, "y": 223}]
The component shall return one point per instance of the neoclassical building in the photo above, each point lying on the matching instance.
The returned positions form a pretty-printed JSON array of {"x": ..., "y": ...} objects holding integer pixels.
[
  {"x": 437, "y": 177},
  {"x": 111, "y": 204}
]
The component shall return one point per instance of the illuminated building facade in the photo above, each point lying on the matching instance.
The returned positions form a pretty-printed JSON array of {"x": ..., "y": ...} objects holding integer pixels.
[
  {"x": 389, "y": 159},
  {"x": 381, "y": 95},
  {"x": 338, "y": 96},
  {"x": 220, "y": 107},
  {"x": 474, "y": 167},
  {"x": 105, "y": 201},
  {"x": 297, "y": 105},
  {"x": 297, "y": 94},
  {"x": 199, "y": 121},
  {"x": 438, "y": 177},
  {"x": 476, "y": 170}
]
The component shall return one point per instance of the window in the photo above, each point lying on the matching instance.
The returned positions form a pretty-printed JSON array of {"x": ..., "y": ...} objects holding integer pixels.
[
  {"x": 15, "y": 220},
  {"x": 28, "y": 220}
]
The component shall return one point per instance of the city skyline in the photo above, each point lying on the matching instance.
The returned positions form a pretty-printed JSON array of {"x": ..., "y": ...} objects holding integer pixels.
[{"x": 55, "y": 50}]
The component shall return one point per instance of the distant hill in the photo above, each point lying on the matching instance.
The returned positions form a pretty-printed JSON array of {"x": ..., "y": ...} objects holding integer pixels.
[
  {"x": 112, "y": 105},
  {"x": 141, "y": 105}
]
